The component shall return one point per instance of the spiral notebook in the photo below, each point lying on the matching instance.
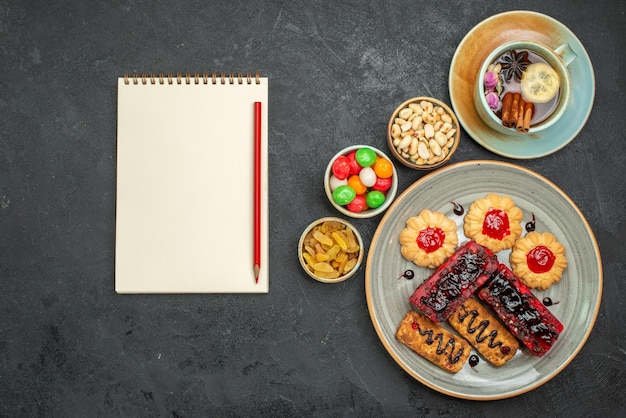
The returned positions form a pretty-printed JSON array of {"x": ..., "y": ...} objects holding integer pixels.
[{"x": 185, "y": 184}]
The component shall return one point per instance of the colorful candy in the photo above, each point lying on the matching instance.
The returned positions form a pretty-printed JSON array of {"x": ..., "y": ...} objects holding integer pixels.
[
  {"x": 374, "y": 199},
  {"x": 368, "y": 176},
  {"x": 360, "y": 180},
  {"x": 365, "y": 157},
  {"x": 355, "y": 182},
  {"x": 334, "y": 182},
  {"x": 383, "y": 168},
  {"x": 359, "y": 204},
  {"x": 355, "y": 167},
  {"x": 341, "y": 167},
  {"x": 344, "y": 195},
  {"x": 382, "y": 185}
]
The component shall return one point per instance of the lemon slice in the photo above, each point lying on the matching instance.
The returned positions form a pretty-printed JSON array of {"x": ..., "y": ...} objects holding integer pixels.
[{"x": 539, "y": 83}]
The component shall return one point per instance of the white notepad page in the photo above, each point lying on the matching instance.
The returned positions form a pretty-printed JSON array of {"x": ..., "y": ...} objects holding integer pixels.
[{"x": 185, "y": 161}]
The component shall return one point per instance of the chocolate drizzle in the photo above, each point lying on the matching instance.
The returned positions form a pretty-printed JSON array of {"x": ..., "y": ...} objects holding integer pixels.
[
  {"x": 520, "y": 311},
  {"x": 453, "y": 281},
  {"x": 517, "y": 305},
  {"x": 481, "y": 328},
  {"x": 457, "y": 208},
  {"x": 441, "y": 348},
  {"x": 530, "y": 225}
]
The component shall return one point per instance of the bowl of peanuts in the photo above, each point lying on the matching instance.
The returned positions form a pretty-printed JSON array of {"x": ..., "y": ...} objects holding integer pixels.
[
  {"x": 330, "y": 250},
  {"x": 423, "y": 133}
]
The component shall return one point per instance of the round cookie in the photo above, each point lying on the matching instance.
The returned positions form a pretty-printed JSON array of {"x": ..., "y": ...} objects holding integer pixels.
[
  {"x": 538, "y": 260},
  {"x": 428, "y": 239},
  {"x": 494, "y": 222}
]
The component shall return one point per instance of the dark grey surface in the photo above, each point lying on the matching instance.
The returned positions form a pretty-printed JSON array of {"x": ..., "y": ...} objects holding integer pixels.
[{"x": 69, "y": 346}]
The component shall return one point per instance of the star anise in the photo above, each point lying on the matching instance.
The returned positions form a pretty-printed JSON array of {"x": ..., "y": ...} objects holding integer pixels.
[{"x": 514, "y": 64}]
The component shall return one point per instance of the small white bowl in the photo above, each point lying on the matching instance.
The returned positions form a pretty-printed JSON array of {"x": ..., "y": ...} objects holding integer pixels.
[
  {"x": 301, "y": 250},
  {"x": 390, "y": 194}
]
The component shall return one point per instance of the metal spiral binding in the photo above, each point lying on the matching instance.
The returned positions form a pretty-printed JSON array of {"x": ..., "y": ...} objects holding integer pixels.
[{"x": 189, "y": 78}]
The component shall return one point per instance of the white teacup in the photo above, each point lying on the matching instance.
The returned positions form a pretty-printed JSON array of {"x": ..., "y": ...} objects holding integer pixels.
[{"x": 545, "y": 115}]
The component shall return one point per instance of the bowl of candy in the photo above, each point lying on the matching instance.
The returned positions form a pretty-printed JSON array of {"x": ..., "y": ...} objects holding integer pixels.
[
  {"x": 423, "y": 133},
  {"x": 330, "y": 250},
  {"x": 360, "y": 181}
]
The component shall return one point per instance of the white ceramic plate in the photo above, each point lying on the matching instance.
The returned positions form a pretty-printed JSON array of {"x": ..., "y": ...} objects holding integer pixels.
[
  {"x": 474, "y": 49},
  {"x": 578, "y": 293}
]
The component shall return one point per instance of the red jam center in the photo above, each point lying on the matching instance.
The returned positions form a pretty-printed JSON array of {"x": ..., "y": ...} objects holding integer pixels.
[
  {"x": 496, "y": 224},
  {"x": 430, "y": 239},
  {"x": 540, "y": 259}
]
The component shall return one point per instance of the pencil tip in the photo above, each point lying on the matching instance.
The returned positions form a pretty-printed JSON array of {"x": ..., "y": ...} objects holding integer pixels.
[{"x": 256, "y": 272}]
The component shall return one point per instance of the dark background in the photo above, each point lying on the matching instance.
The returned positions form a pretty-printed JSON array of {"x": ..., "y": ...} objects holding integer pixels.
[{"x": 70, "y": 346}]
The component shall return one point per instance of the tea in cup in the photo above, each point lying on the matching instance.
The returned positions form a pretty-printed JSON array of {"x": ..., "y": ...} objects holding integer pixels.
[{"x": 523, "y": 87}]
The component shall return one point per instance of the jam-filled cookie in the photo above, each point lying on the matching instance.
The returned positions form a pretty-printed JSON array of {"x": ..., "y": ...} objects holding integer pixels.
[
  {"x": 494, "y": 222},
  {"x": 428, "y": 239},
  {"x": 538, "y": 260}
]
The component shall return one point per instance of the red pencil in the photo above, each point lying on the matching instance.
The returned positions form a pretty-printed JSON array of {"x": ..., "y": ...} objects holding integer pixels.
[{"x": 257, "y": 190}]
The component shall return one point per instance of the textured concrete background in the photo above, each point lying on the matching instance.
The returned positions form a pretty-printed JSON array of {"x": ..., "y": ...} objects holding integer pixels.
[{"x": 69, "y": 346}]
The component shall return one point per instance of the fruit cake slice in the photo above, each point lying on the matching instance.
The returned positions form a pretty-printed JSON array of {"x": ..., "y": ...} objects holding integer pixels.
[
  {"x": 523, "y": 314},
  {"x": 454, "y": 281}
]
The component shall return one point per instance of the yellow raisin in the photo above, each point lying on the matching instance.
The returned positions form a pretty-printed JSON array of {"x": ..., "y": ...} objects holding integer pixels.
[
  {"x": 342, "y": 256},
  {"x": 309, "y": 259},
  {"x": 349, "y": 265},
  {"x": 323, "y": 239},
  {"x": 323, "y": 267},
  {"x": 327, "y": 275},
  {"x": 350, "y": 236},
  {"x": 342, "y": 266},
  {"x": 322, "y": 257},
  {"x": 339, "y": 238},
  {"x": 352, "y": 249},
  {"x": 312, "y": 242},
  {"x": 333, "y": 251},
  {"x": 330, "y": 226}
]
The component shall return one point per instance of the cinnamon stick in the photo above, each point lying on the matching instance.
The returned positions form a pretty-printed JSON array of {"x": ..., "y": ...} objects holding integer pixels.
[
  {"x": 515, "y": 108},
  {"x": 520, "y": 115},
  {"x": 507, "y": 101},
  {"x": 529, "y": 108}
]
